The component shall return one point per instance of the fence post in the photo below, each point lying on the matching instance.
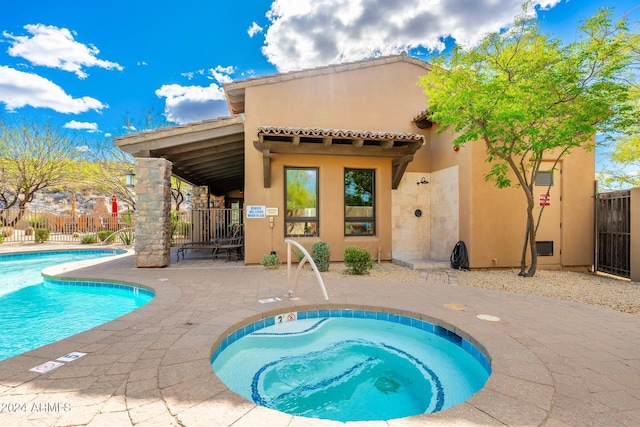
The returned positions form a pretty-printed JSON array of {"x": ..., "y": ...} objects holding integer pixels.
[{"x": 635, "y": 234}]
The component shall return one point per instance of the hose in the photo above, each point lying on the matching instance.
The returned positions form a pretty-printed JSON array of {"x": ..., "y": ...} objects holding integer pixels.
[{"x": 459, "y": 257}]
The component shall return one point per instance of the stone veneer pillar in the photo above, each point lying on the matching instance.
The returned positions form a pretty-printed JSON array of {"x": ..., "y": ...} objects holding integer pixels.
[
  {"x": 153, "y": 208},
  {"x": 200, "y": 197}
]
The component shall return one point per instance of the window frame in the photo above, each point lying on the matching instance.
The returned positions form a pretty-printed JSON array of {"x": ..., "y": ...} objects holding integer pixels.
[
  {"x": 352, "y": 219},
  {"x": 305, "y": 219}
]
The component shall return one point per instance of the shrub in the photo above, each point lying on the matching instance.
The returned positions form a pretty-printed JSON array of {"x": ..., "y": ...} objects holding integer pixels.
[
  {"x": 358, "y": 260},
  {"x": 126, "y": 237},
  {"x": 270, "y": 260},
  {"x": 320, "y": 253},
  {"x": 89, "y": 239},
  {"x": 106, "y": 234},
  {"x": 7, "y": 231},
  {"x": 42, "y": 235},
  {"x": 35, "y": 221},
  {"x": 1, "y": 239}
]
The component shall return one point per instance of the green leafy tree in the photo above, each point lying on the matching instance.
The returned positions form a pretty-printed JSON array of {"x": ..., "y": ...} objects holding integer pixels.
[
  {"x": 33, "y": 157},
  {"x": 527, "y": 97},
  {"x": 110, "y": 167},
  {"x": 625, "y": 157}
]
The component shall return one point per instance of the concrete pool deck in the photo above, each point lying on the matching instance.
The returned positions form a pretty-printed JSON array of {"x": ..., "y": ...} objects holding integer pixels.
[{"x": 555, "y": 363}]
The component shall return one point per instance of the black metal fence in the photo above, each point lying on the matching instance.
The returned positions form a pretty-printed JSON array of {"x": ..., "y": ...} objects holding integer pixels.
[{"x": 613, "y": 233}]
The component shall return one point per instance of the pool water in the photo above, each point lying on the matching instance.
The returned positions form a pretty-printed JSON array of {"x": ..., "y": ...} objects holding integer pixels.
[
  {"x": 36, "y": 312},
  {"x": 350, "y": 369}
]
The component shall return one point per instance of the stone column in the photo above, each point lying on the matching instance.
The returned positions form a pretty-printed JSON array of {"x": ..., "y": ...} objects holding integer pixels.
[
  {"x": 153, "y": 208},
  {"x": 200, "y": 197}
]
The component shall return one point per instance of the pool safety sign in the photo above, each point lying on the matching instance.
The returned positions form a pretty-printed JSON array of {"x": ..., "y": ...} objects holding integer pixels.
[
  {"x": 545, "y": 199},
  {"x": 46, "y": 367},
  {"x": 256, "y": 212},
  {"x": 54, "y": 364},
  {"x": 286, "y": 317}
]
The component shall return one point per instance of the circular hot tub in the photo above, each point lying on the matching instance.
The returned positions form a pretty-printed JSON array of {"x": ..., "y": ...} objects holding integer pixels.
[{"x": 350, "y": 365}]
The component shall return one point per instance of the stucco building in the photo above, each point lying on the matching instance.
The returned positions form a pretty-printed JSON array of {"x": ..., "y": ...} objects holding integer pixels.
[{"x": 345, "y": 154}]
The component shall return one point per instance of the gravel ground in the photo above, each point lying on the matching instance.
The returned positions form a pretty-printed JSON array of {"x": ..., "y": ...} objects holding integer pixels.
[{"x": 588, "y": 288}]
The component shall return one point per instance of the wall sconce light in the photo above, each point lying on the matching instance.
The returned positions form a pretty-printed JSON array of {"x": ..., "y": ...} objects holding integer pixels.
[
  {"x": 130, "y": 179},
  {"x": 422, "y": 181}
]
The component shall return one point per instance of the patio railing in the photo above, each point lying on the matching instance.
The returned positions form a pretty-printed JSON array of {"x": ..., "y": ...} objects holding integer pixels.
[
  {"x": 19, "y": 226},
  {"x": 195, "y": 225}
]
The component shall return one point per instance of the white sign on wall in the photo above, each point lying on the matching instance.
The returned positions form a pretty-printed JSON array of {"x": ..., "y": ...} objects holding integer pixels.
[{"x": 256, "y": 211}]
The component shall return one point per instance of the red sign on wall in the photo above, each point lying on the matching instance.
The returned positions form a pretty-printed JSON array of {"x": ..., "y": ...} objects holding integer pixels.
[{"x": 545, "y": 199}]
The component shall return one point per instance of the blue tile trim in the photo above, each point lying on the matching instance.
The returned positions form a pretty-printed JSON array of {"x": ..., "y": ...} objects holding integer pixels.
[
  {"x": 361, "y": 314},
  {"x": 94, "y": 284},
  {"x": 18, "y": 255}
]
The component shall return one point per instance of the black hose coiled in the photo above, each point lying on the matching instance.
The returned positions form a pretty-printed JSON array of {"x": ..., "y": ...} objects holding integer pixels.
[{"x": 459, "y": 257}]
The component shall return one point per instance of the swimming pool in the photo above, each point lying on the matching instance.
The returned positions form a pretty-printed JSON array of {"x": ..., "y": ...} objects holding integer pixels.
[
  {"x": 37, "y": 311},
  {"x": 350, "y": 365}
]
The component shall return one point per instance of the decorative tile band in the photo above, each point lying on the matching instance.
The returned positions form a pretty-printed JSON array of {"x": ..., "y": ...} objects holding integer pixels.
[
  {"x": 18, "y": 255},
  {"x": 94, "y": 284},
  {"x": 362, "y": 314}
]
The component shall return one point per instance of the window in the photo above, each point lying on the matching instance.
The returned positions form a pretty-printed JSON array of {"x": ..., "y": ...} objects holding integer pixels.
[
  {"x": 359, "y": 202},
  {"x": 301, "y": 200}
]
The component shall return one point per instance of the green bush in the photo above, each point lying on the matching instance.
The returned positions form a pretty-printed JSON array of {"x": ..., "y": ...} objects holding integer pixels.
[
  {"x": 35, "y": 221},
  {"x": 89, "y": 239},
  {"x": 106, "y": 234},
  {"x": 320, "y": 253},
  {"x": 42, "y": 235},
  {"x": 271, "y": 260},
  {"x": 358, "y": 260},
  {"x": 1, "y": 239}
]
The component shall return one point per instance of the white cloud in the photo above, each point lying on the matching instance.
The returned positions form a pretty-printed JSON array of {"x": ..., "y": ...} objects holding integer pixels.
[
  {"x": 254, "y": 29},
  {"x": 222, "y": 74},
  {"x": 90, "y": 127},
  {"x": 186, "y": 104},
  {"x": 55, "y": 47},
  {"x": 19, "y": 89},
  {"x": 310, "y": 33}
]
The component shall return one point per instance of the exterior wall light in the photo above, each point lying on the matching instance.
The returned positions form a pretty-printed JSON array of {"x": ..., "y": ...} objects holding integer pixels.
[
  {"x": 130, "y": 179},
  {"x": 422, "y": 181}
]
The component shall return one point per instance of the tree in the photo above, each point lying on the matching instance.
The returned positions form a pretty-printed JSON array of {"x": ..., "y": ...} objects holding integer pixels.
[
  {"x": 625, "y": 157},
  {"x": 528, "y": 97},
  {"x": 33, "y": 157},
  {"x": 112, "y": 166}
]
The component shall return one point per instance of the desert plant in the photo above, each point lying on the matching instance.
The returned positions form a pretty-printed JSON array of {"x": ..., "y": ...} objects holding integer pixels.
[
  {"x": 106, "y": 234},
  {"x": 6, "y": 231},
  {"x": 358, "y": 260},
  {"x": 320, "y": 253},
  {"x": 42, "y": 235},
  {"x": 270, "y": 260},
  {"x": 1, "y": 239},
  {"x": 35, "y": 221},
  {"x": 89, "y": 239}
]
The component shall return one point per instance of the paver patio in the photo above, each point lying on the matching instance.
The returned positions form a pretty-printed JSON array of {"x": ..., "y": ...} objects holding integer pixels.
[{"x": 555, "y": 363}]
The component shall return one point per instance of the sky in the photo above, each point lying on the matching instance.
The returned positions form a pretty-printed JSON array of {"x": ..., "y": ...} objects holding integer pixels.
[{"x": 98, "y": 67}]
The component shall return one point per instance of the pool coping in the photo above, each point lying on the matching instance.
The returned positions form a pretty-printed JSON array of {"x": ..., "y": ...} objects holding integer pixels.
[{"x": 152, "y": 366}]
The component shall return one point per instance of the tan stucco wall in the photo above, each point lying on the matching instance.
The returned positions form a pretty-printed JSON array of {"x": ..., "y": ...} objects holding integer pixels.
[
  {"x": 492, "y": 220},
  {"x": 380, "y": 98},
  {"x": 489, "y": 220}
]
